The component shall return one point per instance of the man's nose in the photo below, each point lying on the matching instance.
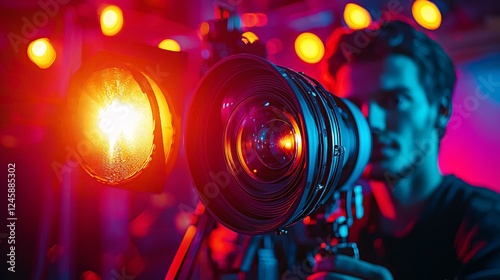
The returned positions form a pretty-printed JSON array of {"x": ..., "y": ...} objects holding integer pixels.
[{"x": 375, "y": 115}]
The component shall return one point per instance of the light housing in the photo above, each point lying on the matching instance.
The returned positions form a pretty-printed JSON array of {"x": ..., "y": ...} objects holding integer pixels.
[
  {"x": 268, "y": 146},
  {"x": 122, "y": 120}
]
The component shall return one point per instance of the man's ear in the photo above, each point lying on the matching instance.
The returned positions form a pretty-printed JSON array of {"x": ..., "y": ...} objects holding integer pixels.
[{"x": 444, "y": 112}]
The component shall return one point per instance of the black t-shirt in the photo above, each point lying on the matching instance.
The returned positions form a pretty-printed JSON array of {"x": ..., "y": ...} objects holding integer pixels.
[{"x": 457, "y": 237}]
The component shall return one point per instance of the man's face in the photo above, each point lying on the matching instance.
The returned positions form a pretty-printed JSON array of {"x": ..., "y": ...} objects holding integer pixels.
[{"x": 401, "y": 120}]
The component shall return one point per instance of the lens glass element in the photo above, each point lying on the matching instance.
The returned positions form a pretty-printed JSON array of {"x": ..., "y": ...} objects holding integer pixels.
[{"x": 267, "y": 142}]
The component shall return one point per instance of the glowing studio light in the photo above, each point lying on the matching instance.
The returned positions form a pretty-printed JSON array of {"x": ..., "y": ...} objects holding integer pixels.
[
  {"x": 249, "y": 37},
  {"x": 42, "y": 53},
  {"x": 356, "y": 17},
  {"x": 118, "y": 120},
  {"x": 309, "y": 47},
  {"x": 169, "y": 45},
  {"x": 426, "y": 14},
  {"x": 111, "y": 20},
  {"x": 115, "y": 119}
]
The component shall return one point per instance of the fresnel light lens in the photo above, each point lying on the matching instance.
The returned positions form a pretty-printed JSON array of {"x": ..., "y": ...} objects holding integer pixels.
[
  {"x": 118, "y": 120},
  {"x": 268, "y": 145},
  {"x": 117, "y": 116}
]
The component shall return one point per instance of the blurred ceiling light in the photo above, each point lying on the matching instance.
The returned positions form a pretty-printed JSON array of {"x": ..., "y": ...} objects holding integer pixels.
[
  {"x": 309, "y": 47},
  {"x": 426, "y": 14},
  {"x": 42, "y": 53},
  {"x": 356, "y": 17},
  {"x": 170, "y": 45},
  {"x": 111, "y": 20}
]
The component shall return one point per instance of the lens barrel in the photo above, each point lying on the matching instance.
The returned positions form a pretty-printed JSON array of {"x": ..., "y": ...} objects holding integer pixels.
[{"x": 267, "y": 145}]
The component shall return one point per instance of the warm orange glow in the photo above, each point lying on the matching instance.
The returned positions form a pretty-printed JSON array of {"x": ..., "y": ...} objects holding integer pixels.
[
  {"x": 42, "y": 53},
  {"x": 170, "y": 45},
  {"x": 111, "y": 20},
  {"x": 115, "y": 119},
  {"x": 309, "y": 47},
  {"x": 356, "y": 17},
  {"x": 204, "y": 28},
  {"x": 426, "y": 14},
  {"x": 287, "y": 142},
  {"x": 249, "y": 37},
  {"x": 181, "y": 252},
  {"x": 118, "y": 120}
]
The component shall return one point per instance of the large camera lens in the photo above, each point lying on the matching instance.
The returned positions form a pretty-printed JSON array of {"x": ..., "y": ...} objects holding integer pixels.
[{"x": 270, "y": 145}]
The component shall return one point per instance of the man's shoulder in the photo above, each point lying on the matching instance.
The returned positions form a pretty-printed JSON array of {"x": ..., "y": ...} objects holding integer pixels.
[
  {"x": 456, "y": 200},
  {"x": 456, "y": 191},
  {"x": 476, "y": 237}
]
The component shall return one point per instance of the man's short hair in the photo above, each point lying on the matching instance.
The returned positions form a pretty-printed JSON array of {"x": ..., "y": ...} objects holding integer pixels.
[{"x": 436, "y": 69}]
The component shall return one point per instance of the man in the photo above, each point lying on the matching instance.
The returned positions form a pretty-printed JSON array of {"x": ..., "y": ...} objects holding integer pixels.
[{"x": 419, "y": 224}]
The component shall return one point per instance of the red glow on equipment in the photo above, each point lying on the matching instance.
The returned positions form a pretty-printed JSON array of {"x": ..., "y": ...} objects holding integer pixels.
[
  {"x": 183, "y": 248},
  {"x": 384, "y": 202}
]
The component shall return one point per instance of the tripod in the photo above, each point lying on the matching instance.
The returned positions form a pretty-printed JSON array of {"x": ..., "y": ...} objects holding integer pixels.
[{"x": 185, "y": 259}]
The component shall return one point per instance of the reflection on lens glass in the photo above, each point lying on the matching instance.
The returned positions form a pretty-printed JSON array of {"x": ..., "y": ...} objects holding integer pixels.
[
  {"x": 272, "y": 142},
  {"x": 267, "y": 143}
]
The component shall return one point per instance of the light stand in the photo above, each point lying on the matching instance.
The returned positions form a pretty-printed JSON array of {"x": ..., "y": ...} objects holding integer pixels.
[{"x": 187, "y": 253}]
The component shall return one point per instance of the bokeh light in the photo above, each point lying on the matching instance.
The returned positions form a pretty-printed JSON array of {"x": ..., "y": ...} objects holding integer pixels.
[
  {"x": 309, "y": 47},
  {"x": 111, "y": 20},
  {"x": 426, "y": 14},
  {"x": 356, "y": 17},
  {"x": 42, "y": 53}
]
